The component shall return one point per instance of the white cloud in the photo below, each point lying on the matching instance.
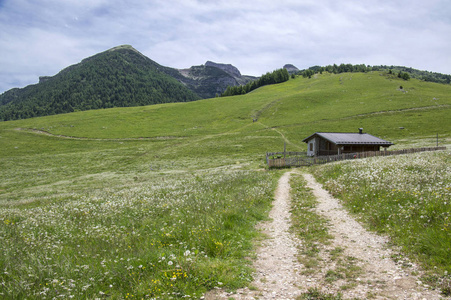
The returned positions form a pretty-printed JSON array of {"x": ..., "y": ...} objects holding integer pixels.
[{"x": 41, "y": 38}]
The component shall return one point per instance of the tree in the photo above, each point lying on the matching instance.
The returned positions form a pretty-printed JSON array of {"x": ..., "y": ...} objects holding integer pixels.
[{"x": 405, "y": 76}]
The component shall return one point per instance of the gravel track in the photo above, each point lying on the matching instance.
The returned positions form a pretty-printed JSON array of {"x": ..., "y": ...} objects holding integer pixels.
[{"x": 279, "y": 274}]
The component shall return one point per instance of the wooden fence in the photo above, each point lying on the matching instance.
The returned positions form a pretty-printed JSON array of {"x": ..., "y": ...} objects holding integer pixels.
[{"x": 298, "y": 159}]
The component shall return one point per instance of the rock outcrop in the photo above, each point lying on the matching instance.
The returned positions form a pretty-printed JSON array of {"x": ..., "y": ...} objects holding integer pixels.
[
  {"x": 228, "y": 68},
  {"x": 291, "y": 69},
  {"x": 212, "y": 79}
]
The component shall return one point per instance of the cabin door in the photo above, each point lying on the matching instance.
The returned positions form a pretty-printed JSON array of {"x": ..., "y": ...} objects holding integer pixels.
[{"x": 311, "y": 148}]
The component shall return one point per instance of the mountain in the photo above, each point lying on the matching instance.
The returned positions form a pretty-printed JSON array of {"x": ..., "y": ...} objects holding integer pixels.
[
  {"x": 118, "y": 77},
  {"x": 211, "y": 79},
  {"x": 228, "y": 68},
  {"x": 291, "y": 69}
]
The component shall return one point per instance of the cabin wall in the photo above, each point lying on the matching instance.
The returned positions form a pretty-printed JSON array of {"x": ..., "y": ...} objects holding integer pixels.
[
  {"x": 324, "y": 147},
  {"x": 360, "y": 148}
]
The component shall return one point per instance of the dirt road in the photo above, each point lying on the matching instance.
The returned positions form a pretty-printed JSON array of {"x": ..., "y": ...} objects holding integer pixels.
[{"x": 279, "y": 274}]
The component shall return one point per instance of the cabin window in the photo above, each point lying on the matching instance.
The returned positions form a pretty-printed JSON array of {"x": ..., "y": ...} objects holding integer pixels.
[{"x": 311, "y": 146}]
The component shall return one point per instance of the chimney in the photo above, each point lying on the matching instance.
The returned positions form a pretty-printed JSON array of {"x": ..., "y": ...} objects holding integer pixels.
[{"x": 360, "y": 130}]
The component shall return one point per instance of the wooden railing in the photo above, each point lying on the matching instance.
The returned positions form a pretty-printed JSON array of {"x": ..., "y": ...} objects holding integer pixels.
[
  {"x": 298, "y": 159},
  {"x": 287, "y": 159}
]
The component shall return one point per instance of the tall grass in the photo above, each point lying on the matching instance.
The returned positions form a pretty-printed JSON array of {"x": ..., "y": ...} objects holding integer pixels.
[{"x": 180, "y": 236}]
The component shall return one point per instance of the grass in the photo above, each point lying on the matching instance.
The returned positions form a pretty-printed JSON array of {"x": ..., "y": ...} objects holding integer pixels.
[
  {"x": 316, "y": 294},
  {"x": 90, "y": 209},
  {"x": 345, "y": 102},
  {"x": 406, "y": 197},
  {"x": 330, "y": 102},
  {"x": 182, "y": 236}
]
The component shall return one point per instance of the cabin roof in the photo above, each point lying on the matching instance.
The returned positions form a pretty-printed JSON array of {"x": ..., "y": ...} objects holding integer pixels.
[{"x": 350, "y": 138}]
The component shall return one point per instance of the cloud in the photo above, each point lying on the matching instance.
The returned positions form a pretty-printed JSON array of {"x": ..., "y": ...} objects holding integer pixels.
[{"x": 41, "y": 38}]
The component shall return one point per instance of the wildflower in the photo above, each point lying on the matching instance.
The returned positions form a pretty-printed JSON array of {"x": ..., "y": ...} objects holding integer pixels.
[{"x": 170, "y": 263}]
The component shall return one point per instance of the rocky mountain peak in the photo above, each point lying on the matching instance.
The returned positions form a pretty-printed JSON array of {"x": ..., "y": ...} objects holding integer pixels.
[
  {"x": 225, "y": 67},
  {"x": 290, "y": 68}
]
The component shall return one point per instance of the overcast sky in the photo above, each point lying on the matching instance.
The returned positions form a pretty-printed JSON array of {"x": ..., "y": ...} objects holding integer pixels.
[{"x": 41, "y": 37}]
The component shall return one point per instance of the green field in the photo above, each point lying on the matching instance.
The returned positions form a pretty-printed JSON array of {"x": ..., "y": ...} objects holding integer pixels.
[{"x": 161, "y": 201}]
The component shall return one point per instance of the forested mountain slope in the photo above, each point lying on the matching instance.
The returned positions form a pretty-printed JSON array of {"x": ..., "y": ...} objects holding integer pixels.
[{"x": 119, "y": 77}]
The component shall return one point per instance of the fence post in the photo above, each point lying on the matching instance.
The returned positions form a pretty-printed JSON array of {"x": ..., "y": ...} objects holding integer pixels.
[{"x": 284, "y": 149}]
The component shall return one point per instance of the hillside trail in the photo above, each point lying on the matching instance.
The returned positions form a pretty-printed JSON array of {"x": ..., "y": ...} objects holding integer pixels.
[{"x": 279, "y": 274}]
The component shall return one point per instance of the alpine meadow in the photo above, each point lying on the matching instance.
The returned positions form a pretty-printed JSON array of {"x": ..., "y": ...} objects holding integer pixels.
[{"x": 162, "y": 201}]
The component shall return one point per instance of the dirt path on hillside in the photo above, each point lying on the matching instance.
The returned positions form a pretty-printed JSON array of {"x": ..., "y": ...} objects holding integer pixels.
[
  {"x": 43, "y": 132},
  {"x": 279, "y": 274}
]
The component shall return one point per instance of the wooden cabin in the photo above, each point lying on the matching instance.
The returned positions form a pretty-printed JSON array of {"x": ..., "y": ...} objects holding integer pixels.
[{"x": 332, "y": 143}]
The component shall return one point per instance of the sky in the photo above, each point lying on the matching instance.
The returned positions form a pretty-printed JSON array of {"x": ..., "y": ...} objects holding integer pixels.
[{"x": 42, "y": 37}]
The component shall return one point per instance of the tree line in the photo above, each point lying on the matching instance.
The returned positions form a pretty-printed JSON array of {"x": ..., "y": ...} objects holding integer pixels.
[
  {"x": 277, "y": 76},
  {"x": 400, "y": 71}
]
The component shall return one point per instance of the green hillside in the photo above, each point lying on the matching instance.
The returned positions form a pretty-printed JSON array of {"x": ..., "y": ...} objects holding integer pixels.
[
  {"x": 328, "y": 102},
  {"x": 119, "y": 77},
  {"x": 400, "y": 71},
  {"x": 98, "y": 202}
]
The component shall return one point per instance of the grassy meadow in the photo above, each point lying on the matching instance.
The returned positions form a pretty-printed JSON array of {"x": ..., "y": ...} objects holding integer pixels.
[
  {"x": 406, "y": 197},
  {"x": 161, "y": 201}
]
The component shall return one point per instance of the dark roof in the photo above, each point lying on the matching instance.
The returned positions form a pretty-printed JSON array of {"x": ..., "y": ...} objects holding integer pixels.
[{"x": 350, "y": 138}]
